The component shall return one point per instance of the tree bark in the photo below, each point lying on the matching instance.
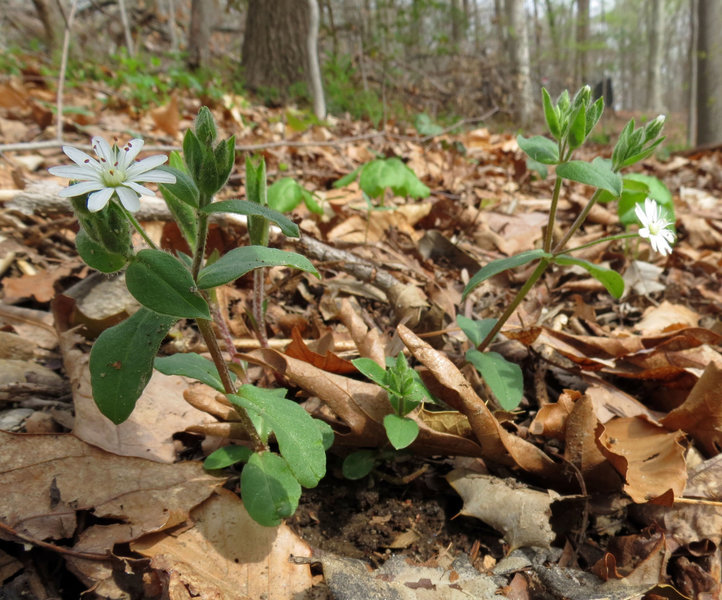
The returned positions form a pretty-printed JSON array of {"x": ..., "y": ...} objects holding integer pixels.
[
  {"x": 582, "y": 41},
  {"x": 203, "y": 15},
  {"x": 520, "y": 62},
  {"x": 53, "y": 23},
  {"x": 275, "y": 45},
  {"x": 654, "y": 74},
  {"x": 709, "y": 75},
  {"x": 314, "y": 69}
]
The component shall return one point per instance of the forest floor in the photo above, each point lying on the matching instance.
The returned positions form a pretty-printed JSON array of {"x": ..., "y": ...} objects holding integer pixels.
[{"x": 622, "y": 397}]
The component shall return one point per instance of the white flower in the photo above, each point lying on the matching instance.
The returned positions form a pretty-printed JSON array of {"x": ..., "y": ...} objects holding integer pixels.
[
  {"x": 114, "y": 172},
  {"x": 654, "y": 226}
]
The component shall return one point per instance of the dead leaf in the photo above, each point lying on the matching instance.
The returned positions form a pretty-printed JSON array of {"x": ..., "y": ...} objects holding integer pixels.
[
  {"x": 642, "y": 278},
  {"x": 330, "y": 361},
  {"x": 40, "y": 286},
  {"x": 498, "y": 445},
  {"x": 228, "y": 555},
  {"x": 649, "y": 457},
  {"x": 47, "y": 478},
  {"x": 701, "y": 413},
  {"x": 666, "y": 317},
  {"x": 525, "y": 518},
  {"x": 167, "y": 118}
]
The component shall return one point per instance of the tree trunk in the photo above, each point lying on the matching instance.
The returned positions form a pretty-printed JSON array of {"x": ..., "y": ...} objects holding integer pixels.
[
  {"x": 693, "y": 74},
  {"x": 53, "y": 23},
  {"x": 520, "y": 63},
  {"x": 654, "y": 74},
  {"x": 203, "y": 14},
  {"x": 709, "y": 75},
  {"x": 582, "y": 41},
  {"x": 279, "y": 48}
]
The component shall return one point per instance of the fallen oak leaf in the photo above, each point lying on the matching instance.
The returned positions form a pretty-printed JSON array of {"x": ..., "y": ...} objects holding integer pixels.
[{"x": 497, "y": 444}]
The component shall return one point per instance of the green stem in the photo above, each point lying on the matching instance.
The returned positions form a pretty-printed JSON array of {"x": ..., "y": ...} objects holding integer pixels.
[
  {"x": 200, "y": 249},
  {"x": 548, "y": 236},
  {"x": 538, "y": 272},
  {"x": 138, "y": 228},
  {"x": 581, "y": 217},
  {"x": 258, "y": 297},
  {"x": 609, "y": 238},
  {"x": 209, "y": 336}
]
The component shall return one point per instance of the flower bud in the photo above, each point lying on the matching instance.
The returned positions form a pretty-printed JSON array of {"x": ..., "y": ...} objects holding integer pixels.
[{"x": 654, "y": 128}]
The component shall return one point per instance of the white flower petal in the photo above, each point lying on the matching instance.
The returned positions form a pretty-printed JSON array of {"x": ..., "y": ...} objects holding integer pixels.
[
  {"x": 99, "y": 199},
  {"x": 644, "y": 232},
  {"x": 73, "y": 172},
  {"x": 142, "y": 190},
  {"x": 128, "y": 198},
  {"x": 134, "y": 146},
  {"x": 80, "y": 158},
  {"x": 641, "y": 215},
  {"x": 80, "y": 189},
  {"x": 103, "y": 150},
  {"x": 652, "y": 210},
  {"x": 155, "y": 176},
  {"x": 134, "y": 171}
]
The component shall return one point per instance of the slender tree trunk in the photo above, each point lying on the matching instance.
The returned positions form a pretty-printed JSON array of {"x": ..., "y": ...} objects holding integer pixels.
[
  {"x": 519, "y": 55},
  {"x": 582, "y": 74},
  {"x": 314, "y": 70},
  {"x": 554, "y": 34},
  {"x": 693, "y": 74},
  {"x": 203, "y": 14},
  {"x": 709, "y": 82},
  {"x": 53, "y": 22},
  {"x": 654, "y": 74}
]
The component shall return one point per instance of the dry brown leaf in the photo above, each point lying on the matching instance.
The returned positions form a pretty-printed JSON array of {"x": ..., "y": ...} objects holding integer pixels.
[
  {"x": 666, "y": 317},
  {"x": 167, "y": 118},
  {"x": 551, "y": 420},
  {"x": 525, "y": 518},
  {"x": 40, "y": 286},
  {"x": 639, "y": 559},
  {"x": 498, "y": 445},
  {"x": 701, "y": 413},
  {"x": 649, "y": 457},
  {"x": 228, "y": 555},
  {"x": 47, "y": 478},
  {"x": 160, "y": 412},
  {"x": 362, "y": 406},
  {"x": 609, "y": 401},
  {"x": 582, "y": 451},
  {"x": 330, "y": 361}
]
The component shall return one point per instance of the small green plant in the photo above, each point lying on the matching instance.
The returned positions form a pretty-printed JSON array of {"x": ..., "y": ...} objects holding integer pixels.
[
  {"x": 286, "y": 194},
  {"x": 343, "y": 93},
  {"x": 406, "y": 392},
  {"x": 642, "y": 200},
  {"x": 170, "y": 287}
]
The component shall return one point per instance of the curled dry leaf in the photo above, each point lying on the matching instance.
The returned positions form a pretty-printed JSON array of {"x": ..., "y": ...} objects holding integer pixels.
[
  {"x": 329, "y": 361},
  {"x": 497, "y": 444},
  {"x": 368, "y": 341},
  {"x": 649, "y": 457},
  {"x": 361, "y": 405},
  {"x": 525, "y": 518},
  {"x": 700, "y": 414}
]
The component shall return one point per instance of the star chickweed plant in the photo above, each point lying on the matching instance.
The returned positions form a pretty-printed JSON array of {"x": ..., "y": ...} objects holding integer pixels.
[
  {"x": 570, "y": 121},
  {"x": 171, "y": 286}
]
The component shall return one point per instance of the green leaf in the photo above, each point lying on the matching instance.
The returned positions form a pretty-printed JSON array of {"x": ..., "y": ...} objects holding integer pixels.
[
  {"x": 299, "y": 438},
  {"x": 540, "y": 148},
  {"x": 425, "y": 126},
  {"x": 347, "y": 179},
  {"x": 476, "y": 331},
  {"x": 327, "y": 434},
  {"x": 502, "y": 264},
  {"x": 205, "y": 126},
  {"x": 191, "y": 365},
  {"x": 121, "y": 362},
  {"x": 184, "y": 189},
  {"x": 607, "y": 277},
  {"x": 540, "y": 168},
  {"x": 240, "y": 261},
  {"x": 269, "y": 490},
  {"x": 226, "y": 457},
  {"x": 642, "y": 154},
  {"x": 598, "y": 173},
  {"x": 285, "y": 194},
  {"x": 504, "y": 378},
  {"x": 550, "y": 115},
  {"x": 594, "y": 113},
  {"x": 358, "y": 464},
  {"x": 193, "y": 155},
  {"x": 400, "y": 430},
  {"x": 372, "y": 370},
  {"x": 96, "y": 256},
  {"x": 637, "y": 186},
  {"x": 391, "y": 173},
  {"x": 246, "y": 207},
  {"x": 578, "y": 127},
  {"x": 160, "y": 282}
]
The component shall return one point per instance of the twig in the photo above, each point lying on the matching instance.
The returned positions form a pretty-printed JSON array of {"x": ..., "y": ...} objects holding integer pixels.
[
  {"x": 52, "y": 547},
  {"x": 126, "y": 28}
]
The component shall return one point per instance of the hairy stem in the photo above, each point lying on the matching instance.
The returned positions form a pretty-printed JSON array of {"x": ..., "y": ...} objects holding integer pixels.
[
  {"x": 609, "y": 238},
  {"x": 209, "y": 336},
  {"x": 258, "y": 297},
  {"x": 200, "y": 249},
  {"x": 581, "y": 217},
  {"x": 138, "y": 228},
  {"x": 552, "y": 215},
  {"x": 538, "y": 272}
]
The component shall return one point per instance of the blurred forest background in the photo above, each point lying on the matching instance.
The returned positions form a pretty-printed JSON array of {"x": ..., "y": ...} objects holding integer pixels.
[{"x": 384, "y": 59}]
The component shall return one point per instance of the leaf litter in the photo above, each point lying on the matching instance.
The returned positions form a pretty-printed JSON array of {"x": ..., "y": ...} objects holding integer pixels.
[{"x": 629, "y": 437}]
